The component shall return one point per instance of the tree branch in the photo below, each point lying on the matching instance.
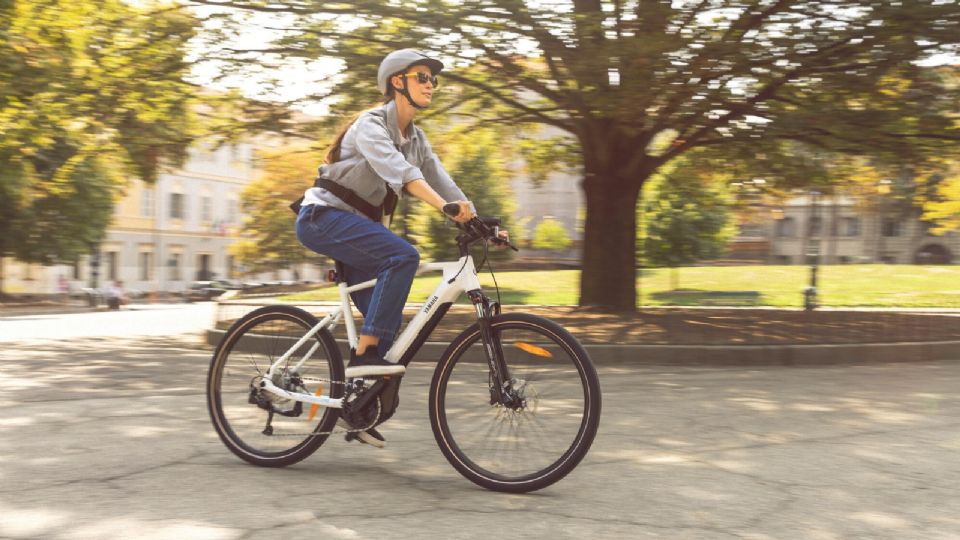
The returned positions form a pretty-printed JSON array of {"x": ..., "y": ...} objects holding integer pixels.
[
  {"x": 247, "y": 6},
  {"x": 498, "y": 94}
]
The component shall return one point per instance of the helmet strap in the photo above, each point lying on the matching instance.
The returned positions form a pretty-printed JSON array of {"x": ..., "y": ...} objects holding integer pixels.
[{"x": 405, "y": 91}]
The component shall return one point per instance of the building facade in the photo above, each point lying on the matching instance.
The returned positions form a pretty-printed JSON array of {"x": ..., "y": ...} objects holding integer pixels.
[
  {"x": 839, "y": 230},
  {"x": 179, "y": 230},
  {"x": 166, "y": 235}
]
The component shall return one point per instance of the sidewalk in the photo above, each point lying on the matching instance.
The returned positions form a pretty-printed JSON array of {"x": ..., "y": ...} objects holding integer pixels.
[{"x": 16, "y": 310}]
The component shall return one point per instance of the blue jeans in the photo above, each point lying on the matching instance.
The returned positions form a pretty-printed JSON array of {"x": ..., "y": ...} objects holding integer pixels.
[{"x": 367, "y": 250}]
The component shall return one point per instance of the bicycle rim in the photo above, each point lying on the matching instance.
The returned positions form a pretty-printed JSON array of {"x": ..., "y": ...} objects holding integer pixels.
[
  {"x": 248, "y": 350},
  {"x": 521, "y": 447}
]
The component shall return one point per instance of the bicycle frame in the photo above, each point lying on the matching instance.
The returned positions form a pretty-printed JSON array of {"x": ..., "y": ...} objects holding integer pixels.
[{"x": 459, "y": 277}]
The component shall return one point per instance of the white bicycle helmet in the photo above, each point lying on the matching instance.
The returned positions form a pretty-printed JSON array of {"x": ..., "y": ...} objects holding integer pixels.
[{"x": 402, "y": 60}]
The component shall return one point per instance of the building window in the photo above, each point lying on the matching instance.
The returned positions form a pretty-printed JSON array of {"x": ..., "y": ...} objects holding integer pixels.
[
  {"x": 146, "y": 265},
  {"x": 177, "y": 206},
  {"x": 786, "y": 228},
  {"x": 232, "y": 211},
  {"x": 891, "y": 228},
  {"x": 204, "y": 272},
  {"x": 146, "y": 202},
  {"x": 175, "y": 262},
  {"x": 850, "y": 226},
  {"x": 206, "y": 208},
  {"x": 110, "y": 261},
  {"x": 76, "y": 269},
  {"x": 816, "y": 225}
]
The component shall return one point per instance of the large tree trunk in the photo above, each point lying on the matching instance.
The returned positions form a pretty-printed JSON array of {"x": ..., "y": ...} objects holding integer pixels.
[{"x": 610, "y": 233}]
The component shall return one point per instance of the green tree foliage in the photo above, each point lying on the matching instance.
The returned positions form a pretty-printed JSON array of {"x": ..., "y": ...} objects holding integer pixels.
[
  {"x": 942, "y": 208},
  {"x": 475, "y": 162},
  {"x": 639, "y": 83},
  {"x": 686, "y": 218},
  {"x": 550, "y": 234},
  {"x": 268, "y": 239},
  {"x": 90, "y": 93}
]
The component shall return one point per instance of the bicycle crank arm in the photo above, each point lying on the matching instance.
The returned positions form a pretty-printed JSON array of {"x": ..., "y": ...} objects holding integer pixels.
[{"x": 323, "y": 401}]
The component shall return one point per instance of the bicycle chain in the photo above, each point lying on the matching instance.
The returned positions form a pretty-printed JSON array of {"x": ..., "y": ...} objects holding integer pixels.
[{"x": 336, "y": 431}]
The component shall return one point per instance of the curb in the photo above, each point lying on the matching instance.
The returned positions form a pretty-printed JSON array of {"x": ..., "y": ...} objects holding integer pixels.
[{"x": 726, "y": 355}]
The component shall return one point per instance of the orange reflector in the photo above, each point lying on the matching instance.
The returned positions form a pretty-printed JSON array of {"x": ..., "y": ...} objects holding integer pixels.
[
  {"x": 314, "y": 408},
  {"x": 533, "y": 349}
]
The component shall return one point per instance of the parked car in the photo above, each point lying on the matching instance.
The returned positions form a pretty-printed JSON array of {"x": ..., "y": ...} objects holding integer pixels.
[
  {"x": 201, "y": 291},
  {"x": 231, "y": 284}
]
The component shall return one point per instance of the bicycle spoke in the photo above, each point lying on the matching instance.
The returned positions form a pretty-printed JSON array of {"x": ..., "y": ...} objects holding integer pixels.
[
  {"x": 242, "y": 412},
  {"x": 542, "y": 428}
]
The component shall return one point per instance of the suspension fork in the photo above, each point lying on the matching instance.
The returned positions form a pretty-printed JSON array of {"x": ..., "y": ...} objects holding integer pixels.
[{"x": 499, "y": 372}]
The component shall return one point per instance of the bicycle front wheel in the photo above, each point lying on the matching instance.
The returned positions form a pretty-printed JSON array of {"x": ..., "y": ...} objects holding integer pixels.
[
  {"x": 542, "y": 426},
  {"x": 260, "y": 427}
]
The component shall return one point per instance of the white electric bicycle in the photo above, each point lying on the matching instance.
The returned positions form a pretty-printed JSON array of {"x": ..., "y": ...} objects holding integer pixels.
[{"x": 514, "y": 402}]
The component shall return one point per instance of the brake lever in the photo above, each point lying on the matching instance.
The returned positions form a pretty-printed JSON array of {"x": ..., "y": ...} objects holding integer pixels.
[
  {"x": 497, "y": 239},
  {"x": 477, "y": 226},
  {"x": 502, "y": 242}
]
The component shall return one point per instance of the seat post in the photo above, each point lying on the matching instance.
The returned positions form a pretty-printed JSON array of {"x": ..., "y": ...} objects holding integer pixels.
[{"x": 340, "y": 278}]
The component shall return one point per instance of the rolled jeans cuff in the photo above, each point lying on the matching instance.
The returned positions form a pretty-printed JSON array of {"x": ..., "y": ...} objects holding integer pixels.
[{"x": 379, "y": 333}]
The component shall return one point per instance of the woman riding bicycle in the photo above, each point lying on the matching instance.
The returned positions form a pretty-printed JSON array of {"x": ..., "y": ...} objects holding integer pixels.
[
  {"x": 373, "y": 160},
  {"x": 520, "y": 423}
]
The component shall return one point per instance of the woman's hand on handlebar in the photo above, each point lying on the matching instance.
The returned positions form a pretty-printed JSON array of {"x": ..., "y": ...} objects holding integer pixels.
[
  {"x": 504, "y": 236},
  {"x": 478, "y": 228},
  {"x": 459, "y": 211}
]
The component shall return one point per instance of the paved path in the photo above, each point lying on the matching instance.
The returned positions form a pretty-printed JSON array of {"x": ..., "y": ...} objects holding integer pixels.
[
  {"x": 109, "y": 438},
  {"x": 135, "y": 320}
]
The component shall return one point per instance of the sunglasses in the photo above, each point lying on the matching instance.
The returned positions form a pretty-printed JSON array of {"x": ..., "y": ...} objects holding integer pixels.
[{"x": 422, "y": 78}]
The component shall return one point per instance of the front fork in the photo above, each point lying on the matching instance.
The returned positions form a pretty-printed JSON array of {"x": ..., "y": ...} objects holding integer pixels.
[{"x": 499, "y": 372}]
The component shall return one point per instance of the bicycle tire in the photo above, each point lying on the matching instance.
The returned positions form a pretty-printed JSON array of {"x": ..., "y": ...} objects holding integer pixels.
[
  {"x": 245, "y": 352},
  {"x": 462, "y": 379}
]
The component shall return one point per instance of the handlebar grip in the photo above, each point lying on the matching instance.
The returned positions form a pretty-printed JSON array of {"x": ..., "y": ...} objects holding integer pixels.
[{"x": 451, "y": 209}]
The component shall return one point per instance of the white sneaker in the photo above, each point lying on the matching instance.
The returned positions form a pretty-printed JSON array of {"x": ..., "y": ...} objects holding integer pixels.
[
  {"x": 370, "y": 364},
  {"x": 370, "y": 436}
]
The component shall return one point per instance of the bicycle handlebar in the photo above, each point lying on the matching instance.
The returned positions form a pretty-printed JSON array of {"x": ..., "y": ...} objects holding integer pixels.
[
  {"x": 451, "y": 209},
  {"x": 478, "y": 228}
]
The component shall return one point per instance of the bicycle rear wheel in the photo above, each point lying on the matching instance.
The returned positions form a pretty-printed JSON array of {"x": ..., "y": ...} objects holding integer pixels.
[
  {"x": 259, "y": 427},
  {"x": 544, "y": 428}
]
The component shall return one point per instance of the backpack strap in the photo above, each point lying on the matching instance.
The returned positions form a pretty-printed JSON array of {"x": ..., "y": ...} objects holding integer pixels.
[{"x": 350, "y": 197}]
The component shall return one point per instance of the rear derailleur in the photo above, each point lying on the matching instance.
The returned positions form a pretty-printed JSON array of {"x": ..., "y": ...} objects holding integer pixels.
[{"x": 274, "y": 404}]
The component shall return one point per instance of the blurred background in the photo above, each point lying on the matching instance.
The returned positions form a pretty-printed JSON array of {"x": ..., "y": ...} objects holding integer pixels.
[
  {"x": 747, "y": 211},
  {"x": 790, "y": 154}
]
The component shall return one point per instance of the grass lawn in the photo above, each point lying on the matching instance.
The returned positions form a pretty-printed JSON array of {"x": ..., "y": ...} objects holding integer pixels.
[{"x": 780, "y": 286}]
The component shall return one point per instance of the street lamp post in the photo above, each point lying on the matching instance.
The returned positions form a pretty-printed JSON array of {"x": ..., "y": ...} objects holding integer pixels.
[
  {"x": 813, "y": 252},
  {"x": 883, "y": 189}
]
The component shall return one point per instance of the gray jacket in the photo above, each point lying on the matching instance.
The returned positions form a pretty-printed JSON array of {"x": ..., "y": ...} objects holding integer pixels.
[{"x": 373, "y": 156}]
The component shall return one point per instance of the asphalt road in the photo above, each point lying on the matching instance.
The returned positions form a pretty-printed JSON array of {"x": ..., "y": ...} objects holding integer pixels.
[{"x": 108, "y": 437}]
